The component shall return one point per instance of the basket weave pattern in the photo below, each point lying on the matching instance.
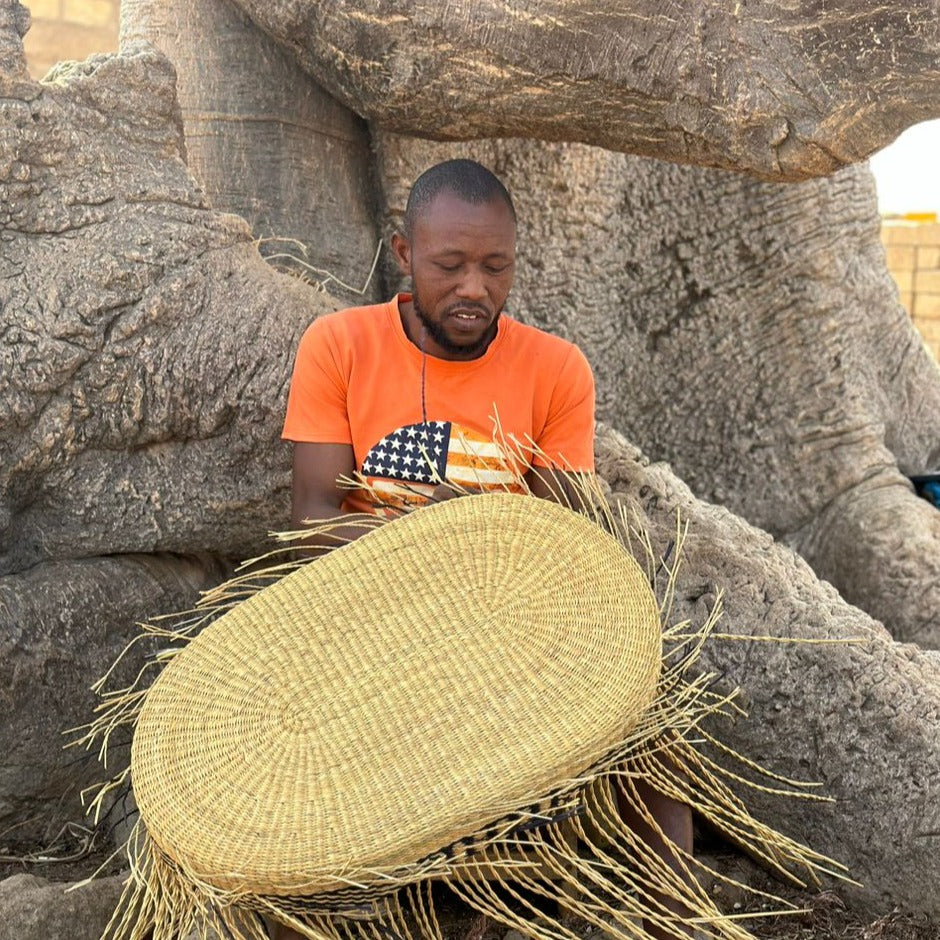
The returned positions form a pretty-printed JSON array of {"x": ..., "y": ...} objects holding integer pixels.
[{"x": 395, "y": 696}]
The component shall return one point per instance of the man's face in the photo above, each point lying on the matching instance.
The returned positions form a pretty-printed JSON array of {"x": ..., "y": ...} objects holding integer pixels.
[{"x": 461, "y": 258}]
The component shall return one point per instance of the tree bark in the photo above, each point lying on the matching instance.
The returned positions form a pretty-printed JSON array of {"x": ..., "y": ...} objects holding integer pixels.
[
  {"x": 265, "y": 141},
  {"x": 750, "y": 334},
  {"x": 147, "y": 347},
  {"x": 32, "y": 908},
  {"x": 14, "y": 23},
  {"x": 781, "y": 91},
  {"x": 859, "y": 716},
  {"x": 62, "y": 624}
]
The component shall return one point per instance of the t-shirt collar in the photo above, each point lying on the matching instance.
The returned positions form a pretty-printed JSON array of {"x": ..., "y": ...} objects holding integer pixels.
[{"x": 463, "y": 364}]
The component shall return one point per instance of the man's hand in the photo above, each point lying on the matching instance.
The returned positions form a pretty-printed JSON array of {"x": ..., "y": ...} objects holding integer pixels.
[
  {"x": 554, "y": 485},
  {"x": 316, "y": 496},
  {"x": 447, "y": 490},
  {"x": 558, "y": 486}
]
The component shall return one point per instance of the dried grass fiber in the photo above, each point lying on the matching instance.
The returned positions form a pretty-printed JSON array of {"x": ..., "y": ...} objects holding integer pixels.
[{"x": 466, "y": 693}]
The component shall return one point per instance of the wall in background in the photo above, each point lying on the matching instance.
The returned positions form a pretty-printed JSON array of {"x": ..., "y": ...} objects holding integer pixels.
[
  {"x": 913, "y": 251},
  {"x": 69, "y": 29}
]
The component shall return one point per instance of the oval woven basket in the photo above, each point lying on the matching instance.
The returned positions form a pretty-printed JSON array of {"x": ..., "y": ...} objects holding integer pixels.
[{"x": 395, "y": 696}]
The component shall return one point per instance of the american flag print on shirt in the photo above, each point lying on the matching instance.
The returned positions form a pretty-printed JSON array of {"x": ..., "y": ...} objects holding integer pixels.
[{"x": 403, "y": 468}]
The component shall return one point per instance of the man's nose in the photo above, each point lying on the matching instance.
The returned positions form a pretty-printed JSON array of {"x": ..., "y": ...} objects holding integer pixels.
[{"x": 472, "y": 285}]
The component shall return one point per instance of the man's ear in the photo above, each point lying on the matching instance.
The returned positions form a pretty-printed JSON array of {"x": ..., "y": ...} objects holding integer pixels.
[{"x": 401, "y": 249}]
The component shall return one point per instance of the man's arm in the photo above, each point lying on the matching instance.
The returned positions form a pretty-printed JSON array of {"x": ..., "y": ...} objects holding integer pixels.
[
  {"x": 315, "y": 494},
  {"x": 567, "y": 438},
  {"x": 558, "y": 486}
]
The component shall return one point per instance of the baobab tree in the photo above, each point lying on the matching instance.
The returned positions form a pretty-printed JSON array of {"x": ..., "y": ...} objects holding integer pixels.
[{"x": 694, "y": 213}]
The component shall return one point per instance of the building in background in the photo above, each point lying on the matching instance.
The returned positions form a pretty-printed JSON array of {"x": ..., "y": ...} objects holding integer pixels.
[
  {"x": 913, "y": 250},
  {"x": 908, "y": 181},
  {"x": 69, "y": 29}
]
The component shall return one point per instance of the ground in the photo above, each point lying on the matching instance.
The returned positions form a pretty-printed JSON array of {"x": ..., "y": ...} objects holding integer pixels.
[{"x": 825, "y": 915}]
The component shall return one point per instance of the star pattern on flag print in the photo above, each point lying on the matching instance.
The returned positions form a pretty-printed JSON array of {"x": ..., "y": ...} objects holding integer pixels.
[
  {"x": 403, "y": 468},
  {"x": 415, "y": 452}
]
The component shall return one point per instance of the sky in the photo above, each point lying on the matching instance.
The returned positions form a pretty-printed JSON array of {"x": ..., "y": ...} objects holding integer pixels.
[{"x": 908, "y": 171}]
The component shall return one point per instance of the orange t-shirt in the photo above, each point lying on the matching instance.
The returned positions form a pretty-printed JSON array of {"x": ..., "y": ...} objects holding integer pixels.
[{"x": 413, "y": 419}]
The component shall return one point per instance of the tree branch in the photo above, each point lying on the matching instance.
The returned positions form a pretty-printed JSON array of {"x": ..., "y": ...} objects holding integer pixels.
[{"x": 780, "y": 91}]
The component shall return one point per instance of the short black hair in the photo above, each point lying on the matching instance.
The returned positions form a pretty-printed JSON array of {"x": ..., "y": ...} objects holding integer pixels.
[{"x": 469, "y": 180}]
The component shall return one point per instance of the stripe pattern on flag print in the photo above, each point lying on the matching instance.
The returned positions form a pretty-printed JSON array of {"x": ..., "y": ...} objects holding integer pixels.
[{"x": 404, "y": 466}]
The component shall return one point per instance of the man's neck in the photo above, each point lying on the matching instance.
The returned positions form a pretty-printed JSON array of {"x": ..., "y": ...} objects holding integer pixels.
[{"x": 417, "y": 333}]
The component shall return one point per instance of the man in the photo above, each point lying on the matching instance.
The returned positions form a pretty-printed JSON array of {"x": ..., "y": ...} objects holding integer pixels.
[
  {"x": 438, "y": 392},
  {"x": 412, "y": 393}
]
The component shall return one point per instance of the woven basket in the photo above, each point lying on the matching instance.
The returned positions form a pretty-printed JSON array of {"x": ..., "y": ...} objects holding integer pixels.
[
  {"x": 479, "y": 693},
  {"x": 396, "y": 696}
]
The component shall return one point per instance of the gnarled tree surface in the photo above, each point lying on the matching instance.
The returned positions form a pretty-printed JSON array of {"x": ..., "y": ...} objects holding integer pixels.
[
  {"x": 264, "y": 140},
  {"x": 61, "y": 624},
  {"x": 781, "y": 90},
  {"x": 31, "y": 907},
  {"x": 747, "y": 332},
  {"x": 124, "y": 300},
  {"x": 147, "y": 347},
  {"x": 860, "y": 717},
  {"x": 145, "y": 377}
]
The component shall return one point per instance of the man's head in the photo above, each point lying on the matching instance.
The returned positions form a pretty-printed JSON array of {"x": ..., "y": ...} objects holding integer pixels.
[
  {"x": 458, "y": 245},
  {"x": 469, "y": 180}
]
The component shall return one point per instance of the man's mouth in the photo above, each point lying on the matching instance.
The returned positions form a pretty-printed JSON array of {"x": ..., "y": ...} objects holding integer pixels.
[{"x": 468, "y": 314}]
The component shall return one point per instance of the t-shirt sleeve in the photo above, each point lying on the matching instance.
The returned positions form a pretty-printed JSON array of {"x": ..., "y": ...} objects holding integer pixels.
[
  {"x": 316, "y": 403},
  {"x": 568, "y": 436}
]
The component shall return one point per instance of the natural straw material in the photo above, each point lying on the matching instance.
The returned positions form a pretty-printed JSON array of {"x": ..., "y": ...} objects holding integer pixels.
[
  {"x": 474, "y": 693},
  {"x": 396, "y": 696}
]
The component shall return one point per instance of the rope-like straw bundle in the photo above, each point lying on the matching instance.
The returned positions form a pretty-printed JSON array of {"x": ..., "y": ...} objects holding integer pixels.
[{"x": 466, "y": 693}]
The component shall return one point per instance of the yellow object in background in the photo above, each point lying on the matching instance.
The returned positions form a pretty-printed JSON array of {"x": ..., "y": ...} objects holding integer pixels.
[{"x": 912, "y": 251}]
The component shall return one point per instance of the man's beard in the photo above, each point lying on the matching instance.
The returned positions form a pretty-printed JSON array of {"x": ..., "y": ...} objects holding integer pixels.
[{"x": 436, "y": 332}]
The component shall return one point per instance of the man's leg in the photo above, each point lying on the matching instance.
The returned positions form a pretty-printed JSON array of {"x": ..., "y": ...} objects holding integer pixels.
[
  {"x": 672, "y": 817},
  {"x": 280, "y": 932},
  {"x": 675, "y": 821}
]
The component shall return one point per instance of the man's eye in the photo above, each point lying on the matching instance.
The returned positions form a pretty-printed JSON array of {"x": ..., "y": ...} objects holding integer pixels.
[
  {"x": 492, "y": 269},
  {"x": 450, "y": 268}
]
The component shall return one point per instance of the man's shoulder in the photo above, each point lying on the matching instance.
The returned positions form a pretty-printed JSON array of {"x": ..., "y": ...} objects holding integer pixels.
[
  {"x": 527, "y": 339},
  {"x": 351, "y": 326},
  {"x": 362, "y": 316}
]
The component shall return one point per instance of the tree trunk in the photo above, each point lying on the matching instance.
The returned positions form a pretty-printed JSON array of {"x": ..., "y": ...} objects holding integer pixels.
[
  {"x": 265, "y": 141},
  {"x": 147, "y": 346},
  {"x": 750, "y": 334},
  {"x": 781, "y": 91},
  {"x": 61, "y": 625}
]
